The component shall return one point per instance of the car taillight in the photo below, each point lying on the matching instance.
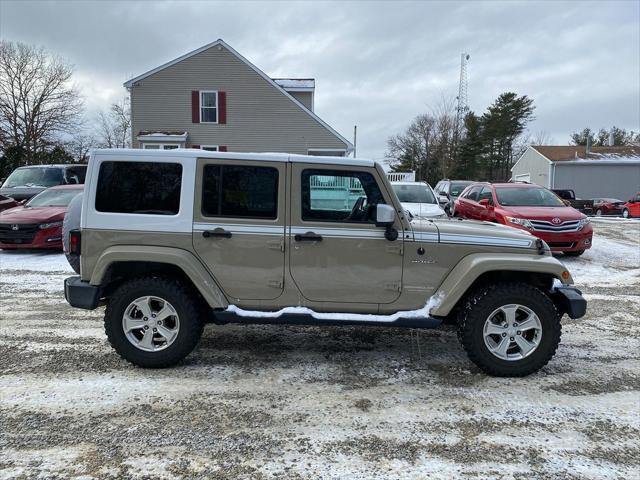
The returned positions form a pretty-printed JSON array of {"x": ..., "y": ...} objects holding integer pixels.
[{"x": 74, "y": 242}]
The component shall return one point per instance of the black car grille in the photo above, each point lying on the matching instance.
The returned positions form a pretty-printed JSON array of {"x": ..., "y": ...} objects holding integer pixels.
[{"x": 15, "y": 233}]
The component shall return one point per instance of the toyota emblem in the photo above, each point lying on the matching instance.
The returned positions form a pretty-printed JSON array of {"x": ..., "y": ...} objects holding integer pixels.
[
  {"x": 556, "y": 221},
  {"x": 15, "y": 227}
]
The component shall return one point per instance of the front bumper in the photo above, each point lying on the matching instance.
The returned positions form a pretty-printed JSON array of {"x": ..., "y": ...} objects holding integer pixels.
[
  {"x": 30, "y": 236},
  {"x": 567, "y": 242},
  {"x": 569, "y": 300},
  {"x": 81, "y": 294}
]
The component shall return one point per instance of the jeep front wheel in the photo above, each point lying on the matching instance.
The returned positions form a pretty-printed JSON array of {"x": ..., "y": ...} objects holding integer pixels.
[
  {"x": 153, "y": 322},
  {"x": 509, "y": 330}
]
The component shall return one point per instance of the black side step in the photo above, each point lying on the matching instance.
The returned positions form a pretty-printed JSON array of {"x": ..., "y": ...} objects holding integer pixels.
[{"x": 222, "y": 317}]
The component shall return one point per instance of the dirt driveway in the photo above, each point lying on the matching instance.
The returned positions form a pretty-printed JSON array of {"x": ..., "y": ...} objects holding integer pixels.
[{"x": 308, "y": 402}]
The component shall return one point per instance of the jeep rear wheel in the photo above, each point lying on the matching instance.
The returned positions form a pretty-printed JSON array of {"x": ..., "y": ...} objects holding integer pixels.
[
  {"x": 153, "y": 322},
  {"x": 509, "y": 330}
]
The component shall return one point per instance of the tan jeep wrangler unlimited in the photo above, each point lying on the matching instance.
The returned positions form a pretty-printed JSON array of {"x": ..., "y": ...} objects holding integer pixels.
[{"x": 170, "y": 240}]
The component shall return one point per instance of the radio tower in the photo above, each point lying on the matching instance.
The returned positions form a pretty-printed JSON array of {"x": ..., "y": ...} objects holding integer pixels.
[{"x": 463, "y": 108}]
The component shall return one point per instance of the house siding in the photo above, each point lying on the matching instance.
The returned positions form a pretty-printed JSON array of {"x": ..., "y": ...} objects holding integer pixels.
[
  {"x": 535, "y": 164},
  {"x": 593, "y": 180},
  {"x": 259, "y": 118},
  {"x": 305, "y": 98}
]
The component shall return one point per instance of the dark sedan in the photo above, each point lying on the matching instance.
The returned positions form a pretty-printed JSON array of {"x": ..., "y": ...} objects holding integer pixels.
[{"x": 607, "y": 206}]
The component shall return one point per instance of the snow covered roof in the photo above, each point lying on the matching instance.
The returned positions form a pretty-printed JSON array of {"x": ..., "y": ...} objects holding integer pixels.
[
  {"x": 566, "y": 153},
  {"x": 296, "y": 84},
  {"x": 162, "y": 135}
]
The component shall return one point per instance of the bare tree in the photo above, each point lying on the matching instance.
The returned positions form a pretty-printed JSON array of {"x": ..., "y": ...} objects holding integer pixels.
[
  {"x": 114, "y": 126},
  {"x": 80, "y": 145},
  {"x": 38, "y": 103}
]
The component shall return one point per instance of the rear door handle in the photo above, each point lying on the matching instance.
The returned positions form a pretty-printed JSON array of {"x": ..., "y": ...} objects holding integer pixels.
[
  {"x": 308, "y": 237},
  {"x": 218, "y": 232}
]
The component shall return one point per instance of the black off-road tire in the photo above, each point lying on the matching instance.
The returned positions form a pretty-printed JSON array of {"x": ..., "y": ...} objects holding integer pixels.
[
  {"x": 187, "y": 305},
  {"x": 575, "y": 253},
  {"x": 480, "y": 304}
]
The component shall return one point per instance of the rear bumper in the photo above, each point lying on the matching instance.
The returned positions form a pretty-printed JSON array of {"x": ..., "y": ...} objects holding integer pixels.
[
  {"x": 81, "y": 294},
  {"x": 569, "y": 300}
]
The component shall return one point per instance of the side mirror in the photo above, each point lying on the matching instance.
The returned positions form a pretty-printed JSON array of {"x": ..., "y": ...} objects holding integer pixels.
[
  {"x": 484, "y": 202},
  {"x": 442, "y": 198},
  {"x": 385, "y": 217}
]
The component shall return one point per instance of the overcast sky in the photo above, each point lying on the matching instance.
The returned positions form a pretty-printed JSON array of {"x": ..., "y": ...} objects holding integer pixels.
[{"x": 376, "y": 65}]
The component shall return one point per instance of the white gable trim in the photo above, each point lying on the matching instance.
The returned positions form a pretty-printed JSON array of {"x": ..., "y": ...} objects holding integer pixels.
[
  {"x": 132, "y": 82},
  {"x": 523, "y": 154}
]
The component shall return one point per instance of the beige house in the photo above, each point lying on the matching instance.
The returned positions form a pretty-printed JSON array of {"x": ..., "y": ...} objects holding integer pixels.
[{"x": 213, "y": 98}]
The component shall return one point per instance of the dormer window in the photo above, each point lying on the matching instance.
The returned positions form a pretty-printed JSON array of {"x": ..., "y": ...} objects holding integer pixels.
[{"x": 208, "y": 106}]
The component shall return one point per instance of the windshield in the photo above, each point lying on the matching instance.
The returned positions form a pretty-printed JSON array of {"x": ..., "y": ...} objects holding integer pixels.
[
  {"x": 54, "y": 197},
  {"x": 418, "y": 193},
  {"x": 527, "y": 197},
  {"x": 34, "y": 177},
  {"x": 458, "y": 187}
]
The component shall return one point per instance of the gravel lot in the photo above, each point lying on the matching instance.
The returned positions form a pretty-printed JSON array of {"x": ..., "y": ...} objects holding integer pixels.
[{"x": 309, "y": 402}]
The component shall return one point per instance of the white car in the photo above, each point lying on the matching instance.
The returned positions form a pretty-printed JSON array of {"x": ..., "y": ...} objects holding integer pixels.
[{"x": 419, "y": 199}]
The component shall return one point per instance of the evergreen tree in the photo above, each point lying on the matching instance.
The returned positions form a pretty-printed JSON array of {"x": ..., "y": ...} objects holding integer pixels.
[{"x": 470, "y": 150}]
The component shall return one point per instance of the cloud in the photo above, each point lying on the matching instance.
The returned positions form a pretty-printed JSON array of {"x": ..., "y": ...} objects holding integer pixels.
[{"x": 376, "y": 64}]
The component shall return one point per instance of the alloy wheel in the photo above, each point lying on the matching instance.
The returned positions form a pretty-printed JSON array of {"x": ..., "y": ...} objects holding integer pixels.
[
  {"x": 150, "y": 323},
  {"x": 512, "y": 332}
]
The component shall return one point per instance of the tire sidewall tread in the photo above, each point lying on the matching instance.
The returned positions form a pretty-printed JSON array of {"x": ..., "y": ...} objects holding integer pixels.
[
  {"x": 477, "y": 309},
  {"x": 188, "y": 309}
]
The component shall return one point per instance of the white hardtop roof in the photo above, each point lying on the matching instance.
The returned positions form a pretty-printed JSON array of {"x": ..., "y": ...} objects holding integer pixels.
[{"x": 122, "y": 153}]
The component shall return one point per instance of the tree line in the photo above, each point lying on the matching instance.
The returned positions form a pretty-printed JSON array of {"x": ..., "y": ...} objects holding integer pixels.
[
  {"x": 483, "y": 147},
  {"x": 42, "y": 114}
]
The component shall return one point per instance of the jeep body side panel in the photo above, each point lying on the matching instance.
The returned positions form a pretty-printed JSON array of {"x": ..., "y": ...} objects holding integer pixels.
[
  {"x": 245, "y": 255},
  {"x": 183, "y": 259},
  {"x": 472, "y": 266}
]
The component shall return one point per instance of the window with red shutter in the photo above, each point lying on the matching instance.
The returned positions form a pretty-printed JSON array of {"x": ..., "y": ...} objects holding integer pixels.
[{"x": 195, "y": 106}]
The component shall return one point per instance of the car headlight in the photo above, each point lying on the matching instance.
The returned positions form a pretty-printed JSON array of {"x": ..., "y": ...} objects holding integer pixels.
[
  {"x": 43, "y": 226},
  {"x": 583, "y": 222},
  {"x": 523, "y": 222}
]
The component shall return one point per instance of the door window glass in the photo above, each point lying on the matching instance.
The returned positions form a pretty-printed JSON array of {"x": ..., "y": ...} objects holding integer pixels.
[
  {"x": 339, "y": 196},
  {"x": 473, "y": 194},
  {"x": 240, "y": 191},
  {"x": 485, "y": 194}
]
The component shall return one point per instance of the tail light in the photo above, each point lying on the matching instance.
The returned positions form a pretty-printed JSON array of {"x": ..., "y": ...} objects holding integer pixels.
[{"x": 74, "y": 242}]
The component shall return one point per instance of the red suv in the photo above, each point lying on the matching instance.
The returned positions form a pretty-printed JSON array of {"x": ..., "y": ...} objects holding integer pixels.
[
  {"x": 531, "y": 208},
  {"x": 632, "y": 207}
]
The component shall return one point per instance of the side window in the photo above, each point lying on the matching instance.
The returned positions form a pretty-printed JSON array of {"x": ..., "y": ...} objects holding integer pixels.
[
  {"x": 485, "y": 194},
  {"x": 139, "y": 187},
  {"x": 240, "y": 191},
  {"x": 473, "y": 194},
  {"x": 339, "y": 196}
]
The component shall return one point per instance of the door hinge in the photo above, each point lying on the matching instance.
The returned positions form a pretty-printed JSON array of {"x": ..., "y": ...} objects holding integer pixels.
[
  {"x": 394, "y": 287},
  {"x": 276, "y": 283},
  {"x": 276, "y": 245},
  {"x": 395, "y": 249}
]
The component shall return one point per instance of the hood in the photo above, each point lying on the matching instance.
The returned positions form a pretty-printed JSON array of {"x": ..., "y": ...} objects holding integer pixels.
[
  {"x": 423, "y": 209},
  {"x": 477, "y": 233},
  {"x": 544, "y": 213},
  {"x": 33, "y": 215},
  {"x": 21, "y": 193}
]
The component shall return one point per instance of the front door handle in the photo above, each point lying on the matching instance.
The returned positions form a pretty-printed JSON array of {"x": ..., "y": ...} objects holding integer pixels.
[
  {"x": 308, "y": 237},
  {"x": 218, "y": 232}
]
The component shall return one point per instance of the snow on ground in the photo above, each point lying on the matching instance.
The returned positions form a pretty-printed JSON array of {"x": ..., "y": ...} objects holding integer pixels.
[{"x": 319, "y": 402}]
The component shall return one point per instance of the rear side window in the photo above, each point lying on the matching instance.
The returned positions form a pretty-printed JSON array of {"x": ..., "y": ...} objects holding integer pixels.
[
  {"x": 139, "y": 187},
  {"x": 240, "y": 191},
  {"x": 473, "y": 194}
]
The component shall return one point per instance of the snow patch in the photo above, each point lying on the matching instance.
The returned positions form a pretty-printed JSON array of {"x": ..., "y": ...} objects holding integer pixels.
[{"x": 423, "y": 312}]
